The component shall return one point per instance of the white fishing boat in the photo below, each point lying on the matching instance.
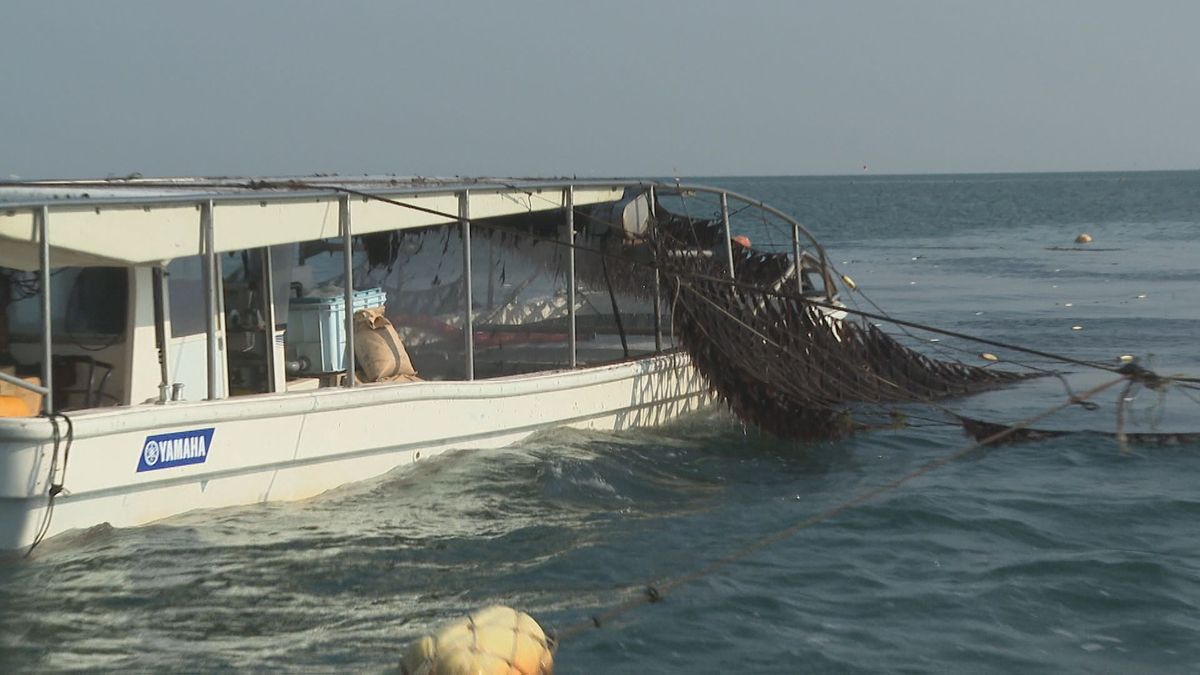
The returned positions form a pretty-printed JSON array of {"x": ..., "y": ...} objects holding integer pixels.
[{"x": 176, "y": 344}]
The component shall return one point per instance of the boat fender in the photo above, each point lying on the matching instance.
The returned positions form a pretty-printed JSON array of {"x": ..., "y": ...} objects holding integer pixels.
[
  {"x": 13, "y": 406},
  {"x": 377, "y": 348},
  {"x": 492, "y": 641}
]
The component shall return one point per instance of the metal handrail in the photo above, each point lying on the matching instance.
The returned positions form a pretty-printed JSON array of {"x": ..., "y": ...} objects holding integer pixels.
[
  {"x": 18, "y": 382},
  {"x": 726, "y": 194}
]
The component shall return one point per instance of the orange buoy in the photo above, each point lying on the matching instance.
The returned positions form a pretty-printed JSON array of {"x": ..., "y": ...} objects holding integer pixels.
[
  {"x": 13, "y": 406},
  {"x": 742, "y": 240}
]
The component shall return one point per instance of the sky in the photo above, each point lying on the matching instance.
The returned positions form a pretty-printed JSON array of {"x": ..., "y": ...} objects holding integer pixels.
[{"x": 613, "y": 88}]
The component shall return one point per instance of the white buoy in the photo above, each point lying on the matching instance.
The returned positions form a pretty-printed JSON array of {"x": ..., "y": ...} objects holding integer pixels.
[
  {"x": 1076, "y": 327},
  {"x": 1127, "y": 358},
  {"x": 988, "y": 356},
  {"x": 1084, "y": 238}
]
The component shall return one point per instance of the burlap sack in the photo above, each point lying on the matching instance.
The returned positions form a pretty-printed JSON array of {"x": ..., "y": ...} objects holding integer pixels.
[{"x": 377, "y": 349}]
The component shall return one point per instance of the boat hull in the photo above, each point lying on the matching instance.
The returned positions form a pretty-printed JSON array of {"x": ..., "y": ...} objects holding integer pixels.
[{"x": 134, "y": 465}]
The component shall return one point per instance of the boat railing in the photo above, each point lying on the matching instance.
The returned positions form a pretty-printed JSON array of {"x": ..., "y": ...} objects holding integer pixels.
[{"x": 797, "y": 230}]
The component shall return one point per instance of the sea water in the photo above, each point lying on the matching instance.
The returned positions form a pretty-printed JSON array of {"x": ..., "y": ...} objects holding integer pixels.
[{"x": 1065, "y": 555}]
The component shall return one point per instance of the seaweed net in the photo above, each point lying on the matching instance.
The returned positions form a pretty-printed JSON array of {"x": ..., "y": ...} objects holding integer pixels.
[{"x": 773, "y": 351}]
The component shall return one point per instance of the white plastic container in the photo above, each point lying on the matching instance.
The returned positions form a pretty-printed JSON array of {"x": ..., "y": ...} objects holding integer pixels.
[{"x": 316, "y": 330}]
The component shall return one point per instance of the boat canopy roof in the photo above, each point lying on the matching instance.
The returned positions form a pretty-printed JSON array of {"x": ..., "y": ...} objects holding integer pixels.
[{"x": 137, "y": 221}]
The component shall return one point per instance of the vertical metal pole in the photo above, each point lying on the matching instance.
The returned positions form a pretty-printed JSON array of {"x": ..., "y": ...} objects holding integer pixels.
[
  {"x": 658, "y": 341},
  {"x": 728, "y": 234},
  {"x": 47, "y": 340},
  {"x": 464, "y": 219},
  {"x": 159, "y": 279},
  {"x": 799, "y": 261},
  {"x": 348, "y": 261},
  {"x": 210, "y": 297},
  {"x": 569, "y": 202},
  {"x": 268, "y": 298}
]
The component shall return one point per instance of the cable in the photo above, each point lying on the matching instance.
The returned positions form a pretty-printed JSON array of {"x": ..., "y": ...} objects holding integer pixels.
[{"x": 56, "y": 488}]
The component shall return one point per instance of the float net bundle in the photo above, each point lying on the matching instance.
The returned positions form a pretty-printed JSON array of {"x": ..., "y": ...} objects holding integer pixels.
[{"x": 777, "y": 357}]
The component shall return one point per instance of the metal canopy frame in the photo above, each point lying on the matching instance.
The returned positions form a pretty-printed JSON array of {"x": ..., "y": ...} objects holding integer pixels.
[
  {"x": 347, "y": 285},
  {"x": 47, "y": 342},
  {"x": 206, "y": 203}
]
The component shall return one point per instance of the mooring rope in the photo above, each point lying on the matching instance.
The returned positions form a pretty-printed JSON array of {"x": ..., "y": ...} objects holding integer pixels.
[
  {"x": 656, "y": 591},
  {"x": 56, "y": 487}
]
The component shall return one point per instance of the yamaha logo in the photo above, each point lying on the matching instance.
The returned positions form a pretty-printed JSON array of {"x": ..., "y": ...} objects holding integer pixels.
[
  {"x": 175, "y": 449},
  {"x": 150, "y": 453}
]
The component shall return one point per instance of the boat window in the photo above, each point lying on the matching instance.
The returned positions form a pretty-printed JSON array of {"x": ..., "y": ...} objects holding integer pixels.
[
  {"x": 419, "y": 273},
  {"x": 519, "y": 296},
  {"x": 310, "y": 303},
  {"x": 248, "y": 331},
  {"x": 519, "y": 303},
  {"x": 615, "y": 299},
  {"x": 185, "y": 288},
  {"x": 88, "y": 305}
]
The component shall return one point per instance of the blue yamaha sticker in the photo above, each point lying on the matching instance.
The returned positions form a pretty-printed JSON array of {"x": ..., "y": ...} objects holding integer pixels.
[{"x": 163, "y": 451}]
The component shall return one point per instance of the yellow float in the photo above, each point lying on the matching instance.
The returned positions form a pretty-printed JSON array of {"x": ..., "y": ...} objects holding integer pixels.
[
  {"x": 493, "y": 641},
  {"x": 13, "y": 406}
]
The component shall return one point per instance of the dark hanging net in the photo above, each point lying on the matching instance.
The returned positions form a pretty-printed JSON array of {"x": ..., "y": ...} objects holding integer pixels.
[{"x": 780, "y": 361}]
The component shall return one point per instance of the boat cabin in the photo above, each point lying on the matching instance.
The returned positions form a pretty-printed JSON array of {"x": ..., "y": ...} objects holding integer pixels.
[
  {"x": 162, "y": 292},
  {"x": 155, "y": 292}
]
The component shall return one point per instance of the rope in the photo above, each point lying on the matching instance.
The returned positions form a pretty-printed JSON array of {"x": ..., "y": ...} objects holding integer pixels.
[
  {"x": 655, "y": 592},
  {"x": 695, "y": 276},
  {"x": 805, "y": 391},
  {"x": 715, "y": 279},
  {"x": 56, "y": 488}
]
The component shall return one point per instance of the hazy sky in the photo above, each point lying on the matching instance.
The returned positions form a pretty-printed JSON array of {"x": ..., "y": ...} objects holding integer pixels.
[{"x": 93, "y": 88}]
